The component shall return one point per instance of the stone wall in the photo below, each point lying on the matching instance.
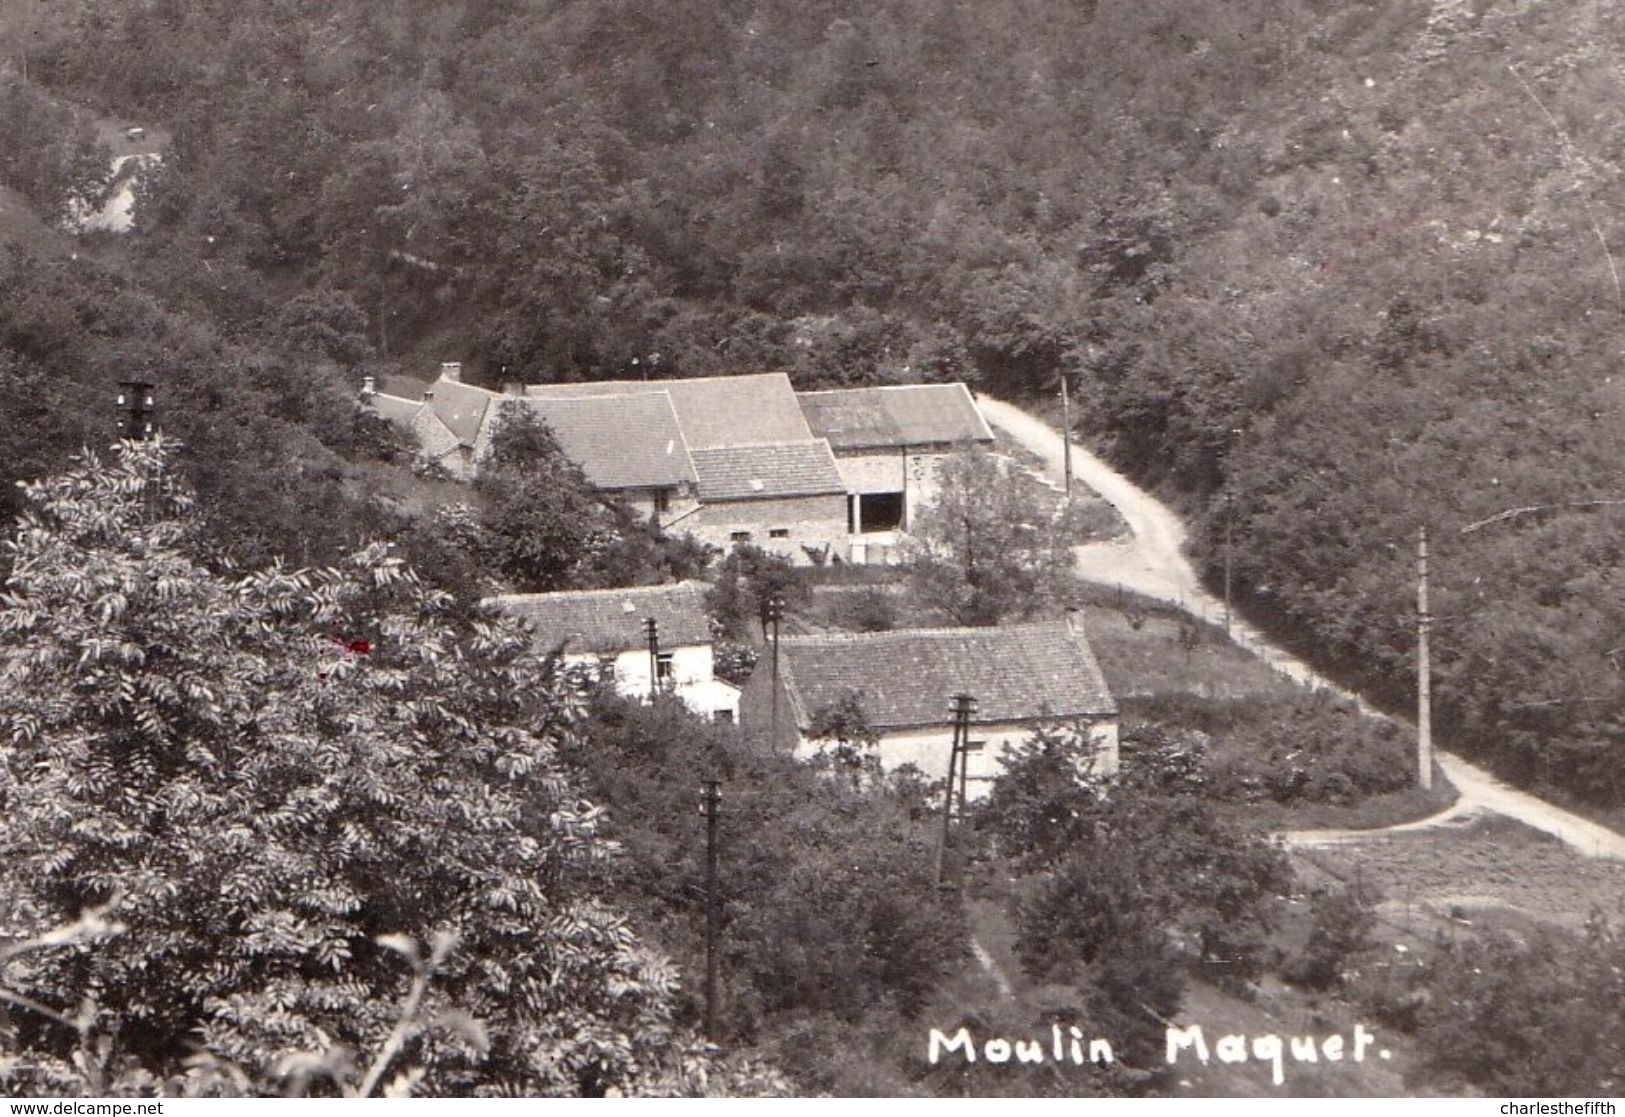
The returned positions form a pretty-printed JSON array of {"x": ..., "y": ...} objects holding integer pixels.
[{"x": 782, "y": 525}]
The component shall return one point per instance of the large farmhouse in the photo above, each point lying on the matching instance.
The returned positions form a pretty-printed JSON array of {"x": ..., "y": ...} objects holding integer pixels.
[
  {"x": 759, "y": 474},
  {"x": 606, "y": 631},
  {"x": 728, "y": 459},
  {"x": 1023, "y": 677}
]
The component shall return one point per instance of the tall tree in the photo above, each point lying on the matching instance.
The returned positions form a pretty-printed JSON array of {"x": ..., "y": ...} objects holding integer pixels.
[
  {"x": 987, "y": 547},
  {"x": 268, "y": 781}
]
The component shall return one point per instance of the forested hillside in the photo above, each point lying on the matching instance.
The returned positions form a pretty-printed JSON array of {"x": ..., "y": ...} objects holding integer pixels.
[{"x": 1355, "y": 261}]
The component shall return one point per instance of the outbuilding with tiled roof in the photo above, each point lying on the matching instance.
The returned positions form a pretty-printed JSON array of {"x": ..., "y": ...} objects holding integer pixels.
[
  {"x": 896, "y": 417},
  {"x": 620, "y": 442},
  {"x": 1022, "y": 677},
  {"x": 782, "y": 469}
]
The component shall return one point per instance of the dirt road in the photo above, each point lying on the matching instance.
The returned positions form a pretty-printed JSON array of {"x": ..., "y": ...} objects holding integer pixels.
[{"x": 1153, "y": 563}]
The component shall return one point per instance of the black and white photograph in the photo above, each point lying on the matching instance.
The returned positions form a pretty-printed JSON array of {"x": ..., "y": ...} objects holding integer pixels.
[{"x": 763, "y": 549}]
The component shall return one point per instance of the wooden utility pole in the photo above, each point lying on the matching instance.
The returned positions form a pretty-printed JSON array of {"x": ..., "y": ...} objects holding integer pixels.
[
  {"x": 711, "y": 808},
  {"x": 651, "y": 629},
  {"x": 1229, "y": 522},
  {"x": 775, "y": 614},
  {"x": 964, "y": 705},
  {"x": 964, "y": 768},
  {"x": 1229, "y": 519},
  {"x": 1424, "y": 687},
  {"x": 948, "y": 796},
  {"x": 1066, "y": 436}
]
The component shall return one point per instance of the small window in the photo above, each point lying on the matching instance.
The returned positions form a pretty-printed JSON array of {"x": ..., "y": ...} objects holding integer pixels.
[
  {"x": 662, "y": 500},
  {"x": 779, "y": 533},
  {"x": 664, "y": 667},
  {"x": 739, "y": 536},
  {"x": 606, "y": 669},
  {"x": 726, "y": 717}
]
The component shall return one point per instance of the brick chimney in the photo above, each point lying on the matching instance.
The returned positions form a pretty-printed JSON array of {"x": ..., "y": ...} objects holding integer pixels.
[
  {"x": 513, "y": 388},
  {"x": 428, "y": 394},
  {"x": 451, "y": 370}
]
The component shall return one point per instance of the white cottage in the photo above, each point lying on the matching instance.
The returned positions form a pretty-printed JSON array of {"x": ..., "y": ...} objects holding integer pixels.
[
  {"x": 1023, "y": 677},
  {"x": 607, "y": 632}
]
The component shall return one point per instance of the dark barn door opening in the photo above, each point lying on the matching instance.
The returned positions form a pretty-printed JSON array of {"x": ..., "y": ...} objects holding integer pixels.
[{"x": 881, "y": 511}]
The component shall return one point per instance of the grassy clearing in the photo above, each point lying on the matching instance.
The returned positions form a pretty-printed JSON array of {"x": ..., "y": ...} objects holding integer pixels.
[
  {"x": 1490, "y": 872},
  {"x": 1372, "y": 813},
  {"x": 1147, "y": 654},
  {"x": 408, "y": 492}
]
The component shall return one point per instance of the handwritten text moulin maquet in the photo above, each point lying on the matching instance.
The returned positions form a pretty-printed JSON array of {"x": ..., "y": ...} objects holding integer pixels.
[{"x": 1069, "y": 1045}]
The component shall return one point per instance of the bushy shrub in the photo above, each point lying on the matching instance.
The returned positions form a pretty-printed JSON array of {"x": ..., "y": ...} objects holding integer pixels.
[
  {"x": 274, "y": 783},
  {"x": 1341, "y": 922},
  {"x": 1133, "y": 879},
  {"x": 866, "y": 610},
  {"x": 1530, "y": 1016},
  {"x": 1308, "y": 748}
]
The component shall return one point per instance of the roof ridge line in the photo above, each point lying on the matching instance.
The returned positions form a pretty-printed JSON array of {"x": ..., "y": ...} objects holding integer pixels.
[
  {"x": 764, "y": 445},
  {"x": 603, "y": 592},
  {"x": 880, "y": 388},
  {"x": 663, "y": 381},
  {"x": 946, "y": 630}
]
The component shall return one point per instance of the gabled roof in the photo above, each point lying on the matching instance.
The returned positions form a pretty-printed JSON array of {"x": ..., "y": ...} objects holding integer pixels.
[
  {"x": 759, "y": 472},
  {"x": 895, "y": 416},
  {"x": 461, "y": 407},
  {"x": 394, "y": 408},
  {"x": 713, "y": 411},
  {"x": 907, "y": 678},
  {"x": 605, "y": 621},
  {"x": 620, "y": 442},
  {"x": 402, "y": 387}
]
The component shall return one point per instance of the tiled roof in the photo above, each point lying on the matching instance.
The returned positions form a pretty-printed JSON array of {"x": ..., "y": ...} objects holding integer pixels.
[
  {"x": 907, "y": 678},
  {"x": 713, "y": 411},
  {"x": 394, "y": 408},
  {"x": 895, "y": 416},
  {"x": 402, "y": 387},
  {"x": 612, "y": 620},
  {"x": 461, "y": 407},
  {"x": 758, "y": 472},
  {"x": 620, "y": 442}
]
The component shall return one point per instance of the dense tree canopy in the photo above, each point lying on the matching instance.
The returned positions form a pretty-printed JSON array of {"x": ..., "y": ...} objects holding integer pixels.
[
  {"x": 987, "y": 547},
  {"x": 267, "y": 780},
  {"x": 1130, "y": 883},
  {"x": 1379, "y": 239}
]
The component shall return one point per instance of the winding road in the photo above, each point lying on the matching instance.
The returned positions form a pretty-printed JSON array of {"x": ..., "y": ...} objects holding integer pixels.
[{"x": 1152, "y": 562}]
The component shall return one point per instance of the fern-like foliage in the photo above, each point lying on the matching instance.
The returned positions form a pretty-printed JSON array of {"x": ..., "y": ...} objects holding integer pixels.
[{"x": 269, "y": 778}]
